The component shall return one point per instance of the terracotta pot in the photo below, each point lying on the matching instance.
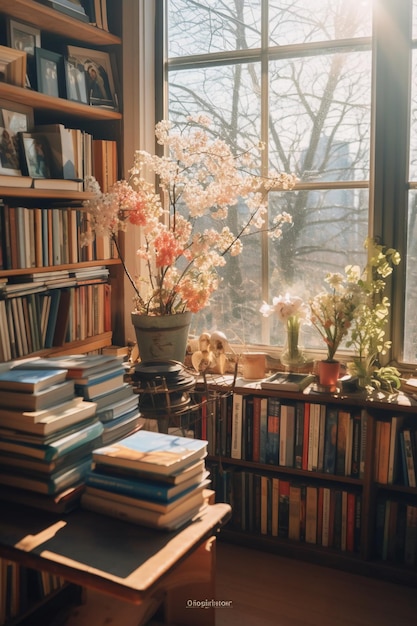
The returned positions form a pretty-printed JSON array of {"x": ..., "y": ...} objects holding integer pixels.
[
  {"x": 329, "y": 373},
  {"x": 162, "y": 337}
]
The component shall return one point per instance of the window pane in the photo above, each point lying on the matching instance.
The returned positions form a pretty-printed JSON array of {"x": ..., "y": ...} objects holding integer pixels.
[
  {"x": 212, "y": 26},
  {"x": 304, "y": 21},
  {"x": 323, "y": 136},
  {"x": 410, "y": 325},
  {"x": 413, "y": 120},
  {"x": 229, "y": 95}
]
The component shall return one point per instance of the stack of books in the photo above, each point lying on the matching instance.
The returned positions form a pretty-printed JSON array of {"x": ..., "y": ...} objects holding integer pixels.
[
  {"x": 149, "y": 478},
  {"x": 100, "y": 379},
  {"x": 47, "y": 435}
]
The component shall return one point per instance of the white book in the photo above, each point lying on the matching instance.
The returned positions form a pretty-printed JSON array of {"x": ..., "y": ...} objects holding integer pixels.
[{"x": 237, "y": 413}]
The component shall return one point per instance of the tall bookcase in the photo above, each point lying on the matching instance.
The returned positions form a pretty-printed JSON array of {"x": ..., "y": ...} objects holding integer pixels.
[
  {"x": 59, "y": 30},
  {"x": 326, "y": 480}
]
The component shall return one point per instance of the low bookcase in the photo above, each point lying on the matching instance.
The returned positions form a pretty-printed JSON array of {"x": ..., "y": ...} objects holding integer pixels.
[{"x": 328, "y": 478}]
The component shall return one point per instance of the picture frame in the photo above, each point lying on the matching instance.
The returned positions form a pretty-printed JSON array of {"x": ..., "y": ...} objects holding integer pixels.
[
  {"x": 9, "y": 153},
  {"x": 36, "y": 155},
  {"x": 22, "y": 36},
  {"x": 75, "y": 82},
  {"x": 49, "y": 72},
  {"x": 97, "y": 66}
]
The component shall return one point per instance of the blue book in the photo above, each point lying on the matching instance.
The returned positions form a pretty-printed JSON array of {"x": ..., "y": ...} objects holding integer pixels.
[
  {"x": 30, "y": 380},
  {"x": 330, "y": 441},
  {"x": 50, "y": 452},
  {"x": 152, "y": 452},
  {"x": 141, "y": 488},
  {"x": 50, "y": 484},
  {"x": 273, "y": 431},
  {"x": 100, "y": 384}
]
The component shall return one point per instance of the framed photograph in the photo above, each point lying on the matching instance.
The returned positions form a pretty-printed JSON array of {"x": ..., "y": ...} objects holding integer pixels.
[
  {"x": 49, "y": 72},
  {"x": 9, "y": 153},
  {"x": 23, "y": 37},
  {"x": 97, "y": 68},
  {"x": 75, "y": 82},
  {"x": 36, "y": 155}
]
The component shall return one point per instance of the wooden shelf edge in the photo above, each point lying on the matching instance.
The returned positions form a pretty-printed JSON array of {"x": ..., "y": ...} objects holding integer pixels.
[
  {"x": 38, "y": 100},
  {"x": 53, "y": 21}
]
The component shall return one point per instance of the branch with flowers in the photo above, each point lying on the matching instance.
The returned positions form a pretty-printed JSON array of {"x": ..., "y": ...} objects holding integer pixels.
[{"x": 184, "y": 221}]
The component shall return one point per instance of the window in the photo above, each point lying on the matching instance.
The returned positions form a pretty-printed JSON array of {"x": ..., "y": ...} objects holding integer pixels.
[{"x": 313, "y": 79}]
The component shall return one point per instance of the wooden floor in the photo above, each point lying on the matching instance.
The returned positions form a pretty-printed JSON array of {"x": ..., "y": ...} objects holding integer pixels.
[{"x": 269, "y": 590}]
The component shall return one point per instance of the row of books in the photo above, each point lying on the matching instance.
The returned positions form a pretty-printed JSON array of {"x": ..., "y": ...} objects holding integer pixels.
[
  {"x": 50, "y": 423},
  {"x": 43, "y": 318},
  {"x": 34, "y": 238},
  {"x": 396, "y": 531},
  {"x": 302, "y": 435},
  {"x": 149, "y": 478},
  {"x": 22, "y": 587},
  {"x": 324, "y": 516},
  {"x": 396, "y": 452},
  {"x": 92, "y": 11}
]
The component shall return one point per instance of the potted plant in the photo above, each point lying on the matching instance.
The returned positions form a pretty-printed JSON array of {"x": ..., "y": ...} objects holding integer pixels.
[
  {"x": 331, "y": 314},
  {"x": 183, "y": 222},
  {"x": 367, "y": 333}
]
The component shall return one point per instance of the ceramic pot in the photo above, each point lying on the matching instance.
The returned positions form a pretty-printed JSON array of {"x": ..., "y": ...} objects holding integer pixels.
[
  {"x": 328, "y": 373},
  {"x": 162, "y": 338}
]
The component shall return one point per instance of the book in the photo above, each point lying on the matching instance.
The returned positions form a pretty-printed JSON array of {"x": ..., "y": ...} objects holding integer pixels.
[
  {"x": 173, "y": 520},
  {"x": 273, "y": 431},
  {"x": 118, "y": 409},
  {"x": 52, "y": 451},
  {"x": 59, "y": 417},
  {"x": 49, "y": 484},
  {"x": 30, "y": 381},
  {"x": 77, "y": 365},
  {"x": 25, "y": 464},
  {"x": 287, "y": 435},
  {"x": 311, "y": 514},
  {"x": 183, "y": 498},
  {"x": 42, "y": 399},
  {"x": 62, "y": 502},
  {"x": 101, "y": 383},
  {"x": 287, "y": 381},
  {"x": 192, "y": 471},
  {"x": 330, "y": 441},
  {"x": 145, "y": 489},
  {"x": 343, "y": 418},
  {"x": 152, "y": 452},
  {"x": 237, "y": 415}
]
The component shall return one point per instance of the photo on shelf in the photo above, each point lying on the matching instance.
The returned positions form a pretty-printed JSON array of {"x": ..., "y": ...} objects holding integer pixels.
[
  {"x": 75, "y": 82},
  {"x": 25, "y": 38},
  {"x": 36, "y": 155},
  {"x": 97, "y": 67},
  {"x": 49, "y": 72},
  {"x": 9, "y": 154}
]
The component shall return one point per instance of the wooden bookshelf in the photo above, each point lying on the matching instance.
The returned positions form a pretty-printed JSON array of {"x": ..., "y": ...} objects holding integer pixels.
[
  {"x": 58, "y": 29},
  {"x": 376, "y": 550}
]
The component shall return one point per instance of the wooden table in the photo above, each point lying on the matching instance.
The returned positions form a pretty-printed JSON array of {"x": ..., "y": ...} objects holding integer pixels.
[{"x": 126, "y": 571}]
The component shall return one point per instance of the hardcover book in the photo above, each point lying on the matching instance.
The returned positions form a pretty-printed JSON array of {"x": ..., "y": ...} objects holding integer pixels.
[
  {"x": 164, "y": 521},
  {"x": 59, "y": 416},
  {"x": 50, "y": 484},
  {"x": 135, "y": 487},
  {"x": 153, "y": 452},
  {"x": 287, "y": 381},
  {"x": 42, "y": 399},
  {"x": 29, "y": 380}
]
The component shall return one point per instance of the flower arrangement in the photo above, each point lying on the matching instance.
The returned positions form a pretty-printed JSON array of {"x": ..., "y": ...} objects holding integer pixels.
[
  {"x": 332, "y": 311},
  {"x": 292, "y": 311},
  {"x": 184, "y": 223},
  {"x": 367, "y": 334}
]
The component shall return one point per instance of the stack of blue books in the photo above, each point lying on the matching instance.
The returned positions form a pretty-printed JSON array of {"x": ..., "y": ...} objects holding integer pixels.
[
  {"x": 47, "y": 436},
  {"x": 149, "y": 478}
]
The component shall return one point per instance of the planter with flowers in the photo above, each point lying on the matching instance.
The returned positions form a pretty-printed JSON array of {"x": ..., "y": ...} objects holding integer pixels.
[
  {"x": 331, "y": 313},
  {"x": 367, "y": 333},
  {"x": 293, "y": 312},
  {"x": 183, "y": 223}
]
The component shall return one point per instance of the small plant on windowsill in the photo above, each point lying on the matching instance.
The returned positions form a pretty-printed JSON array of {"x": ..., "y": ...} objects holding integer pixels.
[{"x": 367, "y": 334}]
